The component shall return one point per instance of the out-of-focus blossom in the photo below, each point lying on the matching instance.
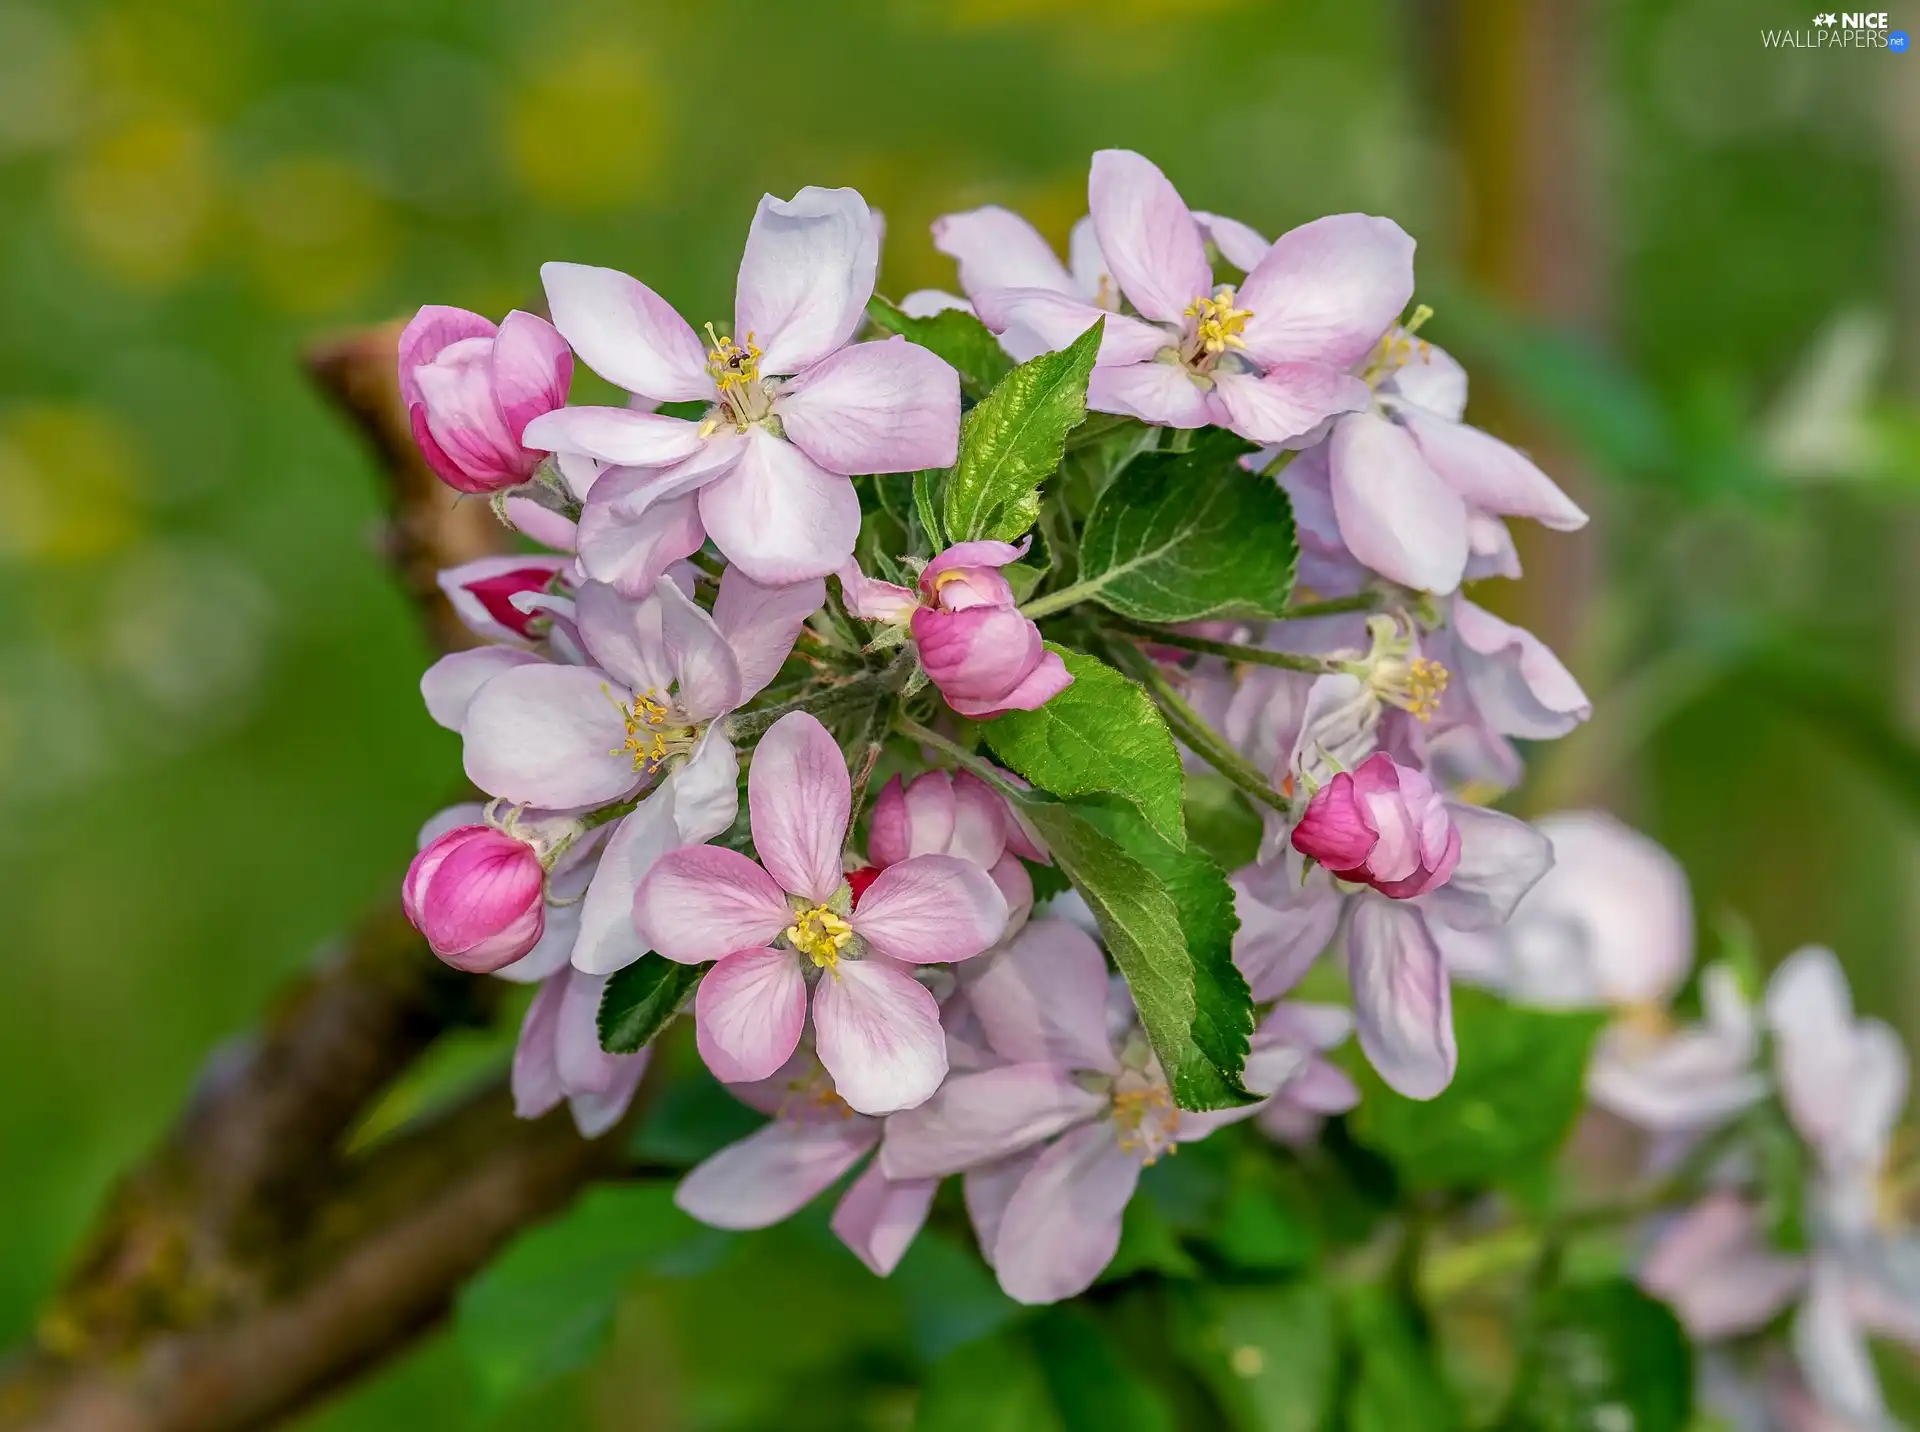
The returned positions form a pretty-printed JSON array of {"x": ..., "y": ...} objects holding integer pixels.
[
  {"x": 559, "y": 1057},
  {"x": 796, "y": 406},
  {"x": 775, "y": 927},
  {"x": 813, "y": 1140},
  {"x": 470, "y": 390},
  {"x": 1383, "y": 826},
  {"x": 1269, "y": 360},
  {"x": 1685, "y": 1081}
]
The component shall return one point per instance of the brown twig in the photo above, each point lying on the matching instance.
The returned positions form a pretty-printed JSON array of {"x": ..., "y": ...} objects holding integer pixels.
[{"x": 251, "y": 1263}]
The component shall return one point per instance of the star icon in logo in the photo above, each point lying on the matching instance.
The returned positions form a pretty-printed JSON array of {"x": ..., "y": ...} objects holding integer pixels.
[{"x": 1829, "y": 18}]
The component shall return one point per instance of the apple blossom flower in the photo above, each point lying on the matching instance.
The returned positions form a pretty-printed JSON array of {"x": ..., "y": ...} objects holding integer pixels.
[
  {"x": 1383, "y": 825},
  {"x": 950, "y": 813},
  {"x": 470, "y": 390},
  {"x": 795, "y": 405},
  {"x": 814, "y": 1138},
  {"x": 1681, "y": 1082},
  {"x": 986, "y": 658},
  {"x": 559, "y": 1057},
  {"x": 1269, "y": 360},
  {"x": 491, "y": 595},
  {"x": 479, "y": 896},
  {"x": 777, "y": 924}
]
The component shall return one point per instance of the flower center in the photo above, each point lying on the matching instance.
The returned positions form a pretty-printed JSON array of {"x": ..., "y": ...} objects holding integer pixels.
[
  {"x": 654, "y": 732},
  {"x": 1416, "y": 684},
  {"x": 1144, "y": 1111},
  {"x": 1214, "y": 328},
  {"x": 1397, "y": 348},
  {"x": 744, "y": 399},
  {"x": 811, "y": 1098},
  {"x": 820, "y": 935}
]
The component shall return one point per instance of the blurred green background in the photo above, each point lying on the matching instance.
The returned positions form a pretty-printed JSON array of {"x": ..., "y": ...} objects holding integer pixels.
[{"x": 1679, "y": 262}]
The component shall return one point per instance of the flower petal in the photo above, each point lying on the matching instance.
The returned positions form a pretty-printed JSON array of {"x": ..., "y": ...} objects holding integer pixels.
[
  {"x": 748, "y": 1013},
  {"x": 1160, "y": 393},
  {"x": 773, "y": 1173},
  {"x": 780, "y": 516},
  {"x": 536, "y": 1076},
  {"x": 910, "y": 820},
  {"x": 1284, "y": 926},
  {"x": 607, "y": 940},
  {"x": 1326, "y": 291},
  {"x": 706, "y": 790},
  {"x": 1501, "y": 859},
  {"x": 627, "y": 333},
  {"x": 1239, "y": 244},
  {"x": 704, "y": 667},
  {"x": 1491, "y": 475},
  {"x": 704, "y": 901},
  {"x": 1061, "y": 1227},
  {"x": 615, "y": 435},
  {"x": 622, "y": 636},
  {"x": 806, "y": 276},
  {"x": 1401, "y": 1003},
  {"x": 925, "y": 302},
  {"x": 979, "y": 821},
  {"x": 481, "y": 591},
  {"x": 1152, "y": 245},
  {"x": 1395, "y": 515},
  {"x": 532, "y": 369},
  {"x": 877, "y": 1030},
  {"x": 1711, "y": 1265},
  {"x": 1518, "y": 684},
  {"x": 450, "y": 684},
  {"x": 435, "y": 327},
  {"x": 996, "y": 248},
  {"x": 879, "y": 1217},
  {"x": 799, "y": 800},
  {"x": 984, "y": 1116},
  {"x": 1289, "y": 400},
  {"x": 931, "y": 909},
  {"x": 549, "y": 736},
  {"x": 1833, "y": 1354},
  {"x": 761, "y": 622},
  {"x": 1431, "y": 379},
  {"x": 873, "y": 600},
  {"x": 1043, "y": 999},
  {"x": 888, "y": 406},
  {"x": 636, "y": 526},
  {"x": 1032, "y": 321}
]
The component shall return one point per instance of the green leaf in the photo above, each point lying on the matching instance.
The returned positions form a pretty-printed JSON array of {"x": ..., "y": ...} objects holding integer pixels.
[
  {"x": 546, "y": 1306},
  {"x": 926, "y": 487},
  {"x": 640, "y": 999},
  {"x": 1013, "y": 441},
  {"x": 992, "y": 1383},
  {"x": 1094, "y": 1388},
  {"x": 1220, "y": 820},
  {"x": 1167, "y": 919},
  {"x": 955, "y": 335},
  {"x": 1191, "y": 534},
  {"x": 1395, "y": 1384},
  {"x": 1269, "y": 1354},
  {"x": 1148, "y": 1244},
  {"x": 1519, "y": 1087},
  {"x": 1605, "y": 1348},
  {"x": 1103, "y": 734}
]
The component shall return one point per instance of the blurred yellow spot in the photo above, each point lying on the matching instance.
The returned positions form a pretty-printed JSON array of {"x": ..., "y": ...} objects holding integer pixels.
[
  {"x": 139, "y": 197},
  {"x": 588, "y": 131},
  {"x": 320, "y": 233},
  {"x": 67, "y": 484},
  {"x": 1247, "y": 1361},
  {"x": 40, "y": 80}
]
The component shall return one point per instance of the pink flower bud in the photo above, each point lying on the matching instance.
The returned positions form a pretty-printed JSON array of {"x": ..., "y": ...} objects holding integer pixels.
[
  {"x": 988, "y": 659},
  {"x": 478, "y": 896},
  {"x": 967, "y": 575},
  {"x": 495, "y": 594},
  {"x": 1383, "y": 825},
  {"x": 471, "y": 390}
]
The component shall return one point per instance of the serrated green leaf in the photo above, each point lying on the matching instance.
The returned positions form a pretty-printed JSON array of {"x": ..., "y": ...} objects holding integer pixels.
[
  {"x": 1102, "y": 735},
  {"x": 640, "y": 999},
  {"x": 1519, "y": 1087},
  {"x": 1013, "y": 441},
  {"x": 1604, "y": 1347},
  {"x": 1191, "y": 534},
  {"x": 926, "y": 503},
  {"x": 955, "y": 335},
  {"x": 1197, "y": 1016},
  {"x": 1269, "y": 1354}
]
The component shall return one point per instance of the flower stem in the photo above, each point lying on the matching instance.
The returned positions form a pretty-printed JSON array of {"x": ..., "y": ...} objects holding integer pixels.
[
  {"x": 1233, "y": 651},
  {"x": 1059, "y": 601}
]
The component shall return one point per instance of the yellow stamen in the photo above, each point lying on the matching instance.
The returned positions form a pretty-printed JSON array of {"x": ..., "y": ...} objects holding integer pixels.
[
  {"x": 732, "y": 365},
  {"x": 1146, "y": 1117},
  {"x": 1426, "y": 684},
  {"x": 1219, "y": 323},
  {"x": 652, "y": 733},
  {"x": 812, "y": 1097},
  {"x": 1398, "y": 347},
  {"x": 820, "y": 935}
]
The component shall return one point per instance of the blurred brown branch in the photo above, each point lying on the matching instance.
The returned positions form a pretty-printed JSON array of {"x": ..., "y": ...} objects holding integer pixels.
[{"x": 251, "y": 1263}]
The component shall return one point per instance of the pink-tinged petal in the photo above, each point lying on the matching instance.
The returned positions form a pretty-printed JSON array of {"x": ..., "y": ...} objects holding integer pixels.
[
  {"x": 1401, "y": 1003},
  {"x": 1431, "y": 379},
  {"x": 981, "y": 1117},
  {"x": 962, "y": 555},
  {"x": 585, "y": 1068},
  {"x": 1326, "y": 291},
  {"x": 1844, "y": 1081},
  {"x": 778, "y": 515},
  {"x": 888, "y": 406},
  {"x": 872, "y": 600},
  {"x": 464, "y": 416},
  {"x": 1395, "y": 515},
  {"x": 761, "y": 622},
  {"x": 1239, "y": 244},
  {"x": 1047, "y": 680},
  {"x": 579, "y": 472},
  {"x": 627, "y": 333},
  {"x": 978, "y": 655},
  {"x": 597, "y": 1111},
  {"x": 631, "y": 544},
  {"x": 1714, "y": 1269},
  {"x": 1032, "y": 321},
  {"x": 442, "y": 462},
  {"x": 549, "y": 736},
  {"x": 773, "y": 1173},
  {"x": 979, "y": 821},
  {"x": 996, "y": 248},
  {"x": 532, "y": 369},
  {"x": 1284, "y": 927},
  {"x": 1016, "y": 888},
  {"x": 450, "y": 684},
  {"x": 910, "y": 820},
  {"x": 1152, "y": 245},
  {"x": 1289, "y": 400},
  {"x": 1489, "y": 474},
  {"x": 481, "y": 591},
  {"x": 1519, "y": 686},
  {"x": 1322, "y": 1088},
  {"x": 622, "y": 636},
  {"x": 705, "y": 670},
  {"x": 1043, "y": 999},
  {"x": 880, "y": 1217},
  {"x": 931, "y": 909},
  {"x": 877, "y": 1030},
  {"x": 889, "y": 829},
  {"x": 1501, "y": 859},
  {"x": 1061, "y": 1227},
  {"x": 706, "y": 790},
  {"x": 806, "y": 276},
  {"x": 1160, "y": 393},
  {"x": 1092, "y": 279},
  {"x": 616, "y": 435},
  {"x": 1490, "y": 549},
  {"x": 476, "y": 893},
  {"x": 1336, "y": 830},
  {"x": 799, "y": 800},
  {"x": 607, "y": 940},
  {"x": 925, "y": 302},
  {"x": 536, "y": 1076},
  {"x": 748, "y": 1013},
  {"x": 434, "y": 328},
  {"x": 988, "y": 1191},
  {"x": 1833, "y": 1354},
  {"x": 705, "y": 901}
]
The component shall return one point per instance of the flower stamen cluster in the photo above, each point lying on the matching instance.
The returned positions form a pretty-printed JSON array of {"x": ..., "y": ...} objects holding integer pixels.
[{"x": 819, "y": 934}]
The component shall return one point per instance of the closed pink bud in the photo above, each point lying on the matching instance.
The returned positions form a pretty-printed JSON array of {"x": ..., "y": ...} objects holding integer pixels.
[
  {"x": 1382, "y": 825},
  {"x": 471, "y": 389},
  {"x": 967, "y": 575},
  {"x": 987, "y": 660},
  {"x": 478, "y": 895}
]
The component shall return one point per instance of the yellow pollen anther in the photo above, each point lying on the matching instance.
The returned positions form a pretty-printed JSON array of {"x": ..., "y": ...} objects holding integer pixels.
[
  {"x": 1146, "y": 1117},
  {"x": 1397, "y": 348},
  {"x": 1426, "y": 684},
  {"x": 652, "y": 734},
  {"x": 820, "y": 935},
  {"x": 1219, "y": 323},
  {"x": 732, "y": 365}
]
